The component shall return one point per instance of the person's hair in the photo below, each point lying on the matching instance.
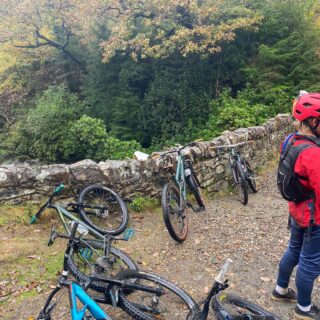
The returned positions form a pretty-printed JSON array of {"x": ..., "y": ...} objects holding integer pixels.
[{"x": 305, "y": 122}]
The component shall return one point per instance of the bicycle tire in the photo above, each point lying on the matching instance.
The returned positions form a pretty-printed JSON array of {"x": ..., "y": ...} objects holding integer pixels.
[
  {"x": 112, "y": 220},
  {"x": 225, "y": 301},
  {"x": 57, "y": 305},
  {"x": 78, "y": 264},
  {"x": 241, "y": 182},
  {"x": 250, "y": 177},
  {"x": 174, "y": 304},
  {"x": 194, "y": 188},
  {"x": 175, "y": 219}
]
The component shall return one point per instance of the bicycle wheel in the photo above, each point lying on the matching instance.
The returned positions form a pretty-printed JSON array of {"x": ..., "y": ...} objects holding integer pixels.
[
  {"x": 241, "y": 183},
  {"x": 88, "y": 259},
  {"x": 103, "y": 209},
  {"x": 174, "y": 213},
  {"x": 173, "y": 304},
  {"x": 194, "y": 188},
  {"x": 230, "y": 306},
  {"x": 250, "y": 177},
  {"x": 57, "y": 305}
]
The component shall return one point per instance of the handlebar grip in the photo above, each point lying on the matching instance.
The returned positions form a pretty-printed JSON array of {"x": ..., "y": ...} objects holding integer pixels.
[
  {"x": 33, "y": 219},
  {"x": 59, "y": 188}
]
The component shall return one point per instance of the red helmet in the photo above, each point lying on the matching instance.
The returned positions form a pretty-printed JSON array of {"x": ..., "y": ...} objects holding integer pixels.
[{"x": 307, "y": 106}]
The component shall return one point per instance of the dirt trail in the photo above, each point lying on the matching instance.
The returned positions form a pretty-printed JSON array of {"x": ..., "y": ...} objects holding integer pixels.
[{"x": 253, "y": 236}]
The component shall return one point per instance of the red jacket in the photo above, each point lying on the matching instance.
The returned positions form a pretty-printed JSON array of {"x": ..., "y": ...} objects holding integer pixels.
[{"x": 307, "y": 165}]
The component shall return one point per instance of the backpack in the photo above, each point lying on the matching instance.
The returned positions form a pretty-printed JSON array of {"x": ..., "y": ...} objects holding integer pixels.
[{"x": 287, "y": 180}]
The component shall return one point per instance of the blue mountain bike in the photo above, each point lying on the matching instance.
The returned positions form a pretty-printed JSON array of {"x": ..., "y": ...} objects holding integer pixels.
[{"x": 142, "y": 295}]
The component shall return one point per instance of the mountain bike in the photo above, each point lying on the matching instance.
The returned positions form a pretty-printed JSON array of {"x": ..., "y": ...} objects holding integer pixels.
[
  {"x": 142, "y": 295},
  {"x": 98, "y": 206},
  {"x": 228, "y": 306},
  {"x": 242, "y": 173},
  {"x": 174, "y": 195},
  {"x": 94, "y": 253}
]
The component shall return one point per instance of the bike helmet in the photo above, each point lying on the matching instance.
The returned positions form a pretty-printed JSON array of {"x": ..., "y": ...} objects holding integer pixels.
[{"x": 307, "y": 105}]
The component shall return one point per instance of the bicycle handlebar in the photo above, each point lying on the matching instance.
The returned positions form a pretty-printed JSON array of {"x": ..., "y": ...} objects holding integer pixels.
[
  {"x": 230, "y": 145},
  {"x": 177, "y": 149}
]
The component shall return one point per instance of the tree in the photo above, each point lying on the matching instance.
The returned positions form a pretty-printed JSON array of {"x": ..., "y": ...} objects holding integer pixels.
[
  {"x": 159, "y": 29},
  {"x": 42, "y": 134}
]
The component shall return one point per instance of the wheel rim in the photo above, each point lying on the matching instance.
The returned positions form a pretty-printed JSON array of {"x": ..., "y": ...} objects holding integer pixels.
[{"x": 108, "y": 215}]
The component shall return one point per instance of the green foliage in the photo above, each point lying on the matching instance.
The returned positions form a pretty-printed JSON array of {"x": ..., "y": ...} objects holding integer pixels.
[
  {"x": 248, "y": 108},
  {"x": 250, "y": 72},
  {"x": 140, "y": 203},
  {"x": 43, "y": 133},
  {"x": 85, "y": 139},
  {"x": 117, "y": 149},
  {"x": 57, "y": 131}
]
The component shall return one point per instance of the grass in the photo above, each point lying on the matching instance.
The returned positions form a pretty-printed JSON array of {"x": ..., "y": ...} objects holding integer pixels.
[
  {"x": 141, "y": 204},
  {"x": 27, "y": 265},
  {"x": 17, "y": 214}
]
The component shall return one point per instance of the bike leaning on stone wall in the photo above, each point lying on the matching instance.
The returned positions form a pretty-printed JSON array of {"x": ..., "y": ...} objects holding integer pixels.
[
  {"x": 242, "y": 173},
  {"x": 174, "y": 200}
]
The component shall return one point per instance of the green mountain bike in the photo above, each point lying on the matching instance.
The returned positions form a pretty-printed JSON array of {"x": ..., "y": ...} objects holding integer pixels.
[{"x": 174, "y": 200}]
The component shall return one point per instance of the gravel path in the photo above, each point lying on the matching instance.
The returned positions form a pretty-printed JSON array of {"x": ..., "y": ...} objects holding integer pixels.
[{"x": 253, "y": 236}]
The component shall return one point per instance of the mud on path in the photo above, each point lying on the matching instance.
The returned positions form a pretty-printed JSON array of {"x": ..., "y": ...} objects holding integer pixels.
[{"x": 253, "y": 236}]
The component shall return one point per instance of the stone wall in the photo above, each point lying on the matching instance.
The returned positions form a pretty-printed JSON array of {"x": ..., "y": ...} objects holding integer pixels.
[{"x": 133, "y": 177}]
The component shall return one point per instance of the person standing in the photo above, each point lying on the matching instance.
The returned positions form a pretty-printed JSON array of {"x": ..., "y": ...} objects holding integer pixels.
[{"x": 304, "y": 244}]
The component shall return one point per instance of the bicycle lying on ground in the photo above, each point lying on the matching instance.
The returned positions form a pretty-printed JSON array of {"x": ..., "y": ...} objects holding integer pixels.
[
  {"x": 174, "y": 195},
  {"x": 94, "y": 253},
  {"x": 242, "y": 173},
  {"x": 98, "y": 206},
  {"x": 228, "y": 306},
  {"x": 142, "y": 295}
]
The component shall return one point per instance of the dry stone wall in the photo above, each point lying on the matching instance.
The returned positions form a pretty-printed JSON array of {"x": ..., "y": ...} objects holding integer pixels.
[{"x": 132, "y": 177}]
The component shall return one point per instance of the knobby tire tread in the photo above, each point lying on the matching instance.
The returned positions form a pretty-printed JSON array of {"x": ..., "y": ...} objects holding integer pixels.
[
  {"x": 251, "y": 182},
  {"x": 166, "y": 213},
  {"x": 194, "y": 188},
  {"x": 84, "y": 215},
  {"x": 127, "y": 306},
  {"x": 242, "y": 183}
]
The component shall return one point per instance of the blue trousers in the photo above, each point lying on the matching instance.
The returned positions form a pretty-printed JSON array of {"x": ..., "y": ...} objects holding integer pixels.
[{"x": 303, "y": 251}]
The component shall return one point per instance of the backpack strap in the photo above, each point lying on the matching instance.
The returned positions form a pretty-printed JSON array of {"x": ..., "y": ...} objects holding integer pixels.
[{"x": 312, "y": 139}]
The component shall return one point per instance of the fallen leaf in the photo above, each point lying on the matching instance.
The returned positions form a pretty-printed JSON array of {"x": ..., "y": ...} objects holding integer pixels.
[{"x": 265, "y": 279}]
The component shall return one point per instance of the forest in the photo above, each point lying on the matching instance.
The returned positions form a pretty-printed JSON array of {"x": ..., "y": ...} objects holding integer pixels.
[{"x": 99, "y": 79}]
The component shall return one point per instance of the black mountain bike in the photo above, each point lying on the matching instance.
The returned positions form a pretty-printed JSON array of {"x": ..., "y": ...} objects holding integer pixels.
[
  {"x": 228, "y": 306},
  {"x": 242, "y": 173},
  {"x": 142, "y": 295},
  {"x": 174, "y": 195}
]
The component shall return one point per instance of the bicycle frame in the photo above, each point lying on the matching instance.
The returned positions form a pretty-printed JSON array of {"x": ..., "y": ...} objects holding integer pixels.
[
  {"x": 180, "y": 178},
  {"x": 75, "y": 291},
  {"x": 62, "y": 212}
]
